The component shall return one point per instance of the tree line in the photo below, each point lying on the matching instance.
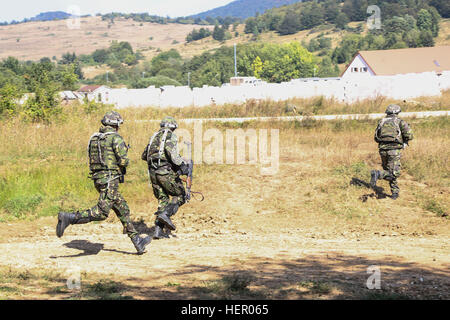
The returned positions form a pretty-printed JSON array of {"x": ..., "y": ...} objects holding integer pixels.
[{"x": 41, "y": 80}]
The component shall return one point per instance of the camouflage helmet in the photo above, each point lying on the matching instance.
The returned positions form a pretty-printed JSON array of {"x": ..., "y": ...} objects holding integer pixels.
[
  {"x": 112, "y": 118},
  {"x": 393, "y": 109},
  {"x": 169, "y": 122}
]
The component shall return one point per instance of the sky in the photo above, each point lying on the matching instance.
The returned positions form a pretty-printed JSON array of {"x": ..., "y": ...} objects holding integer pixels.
[{"x": 20, "y": 9}]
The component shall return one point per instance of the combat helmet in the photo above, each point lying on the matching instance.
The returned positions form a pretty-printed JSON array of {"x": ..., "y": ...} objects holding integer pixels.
[
  {"x": 112, "y": 118},
  {"x": 169, "y": 122},
  {"x": 393, "y": 109}
]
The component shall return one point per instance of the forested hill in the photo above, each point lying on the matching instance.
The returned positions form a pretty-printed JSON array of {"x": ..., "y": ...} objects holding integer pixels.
[
  {"x": 49, "y": 16},
  {"x": 244, "y": 8}
]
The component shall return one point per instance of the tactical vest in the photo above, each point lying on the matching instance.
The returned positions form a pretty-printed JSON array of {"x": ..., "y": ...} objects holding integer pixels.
[
  {"x": 388, "y": 130},
  {"x": 101, "y": 152},
  {"x": 156, "y": 156}
]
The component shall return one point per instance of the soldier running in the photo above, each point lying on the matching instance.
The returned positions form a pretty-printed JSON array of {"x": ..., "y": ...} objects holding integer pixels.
[
  {"x": 108, "y": 160},
  {"x": 392, "y": 135},
  {"x": 165, "y": 166}
]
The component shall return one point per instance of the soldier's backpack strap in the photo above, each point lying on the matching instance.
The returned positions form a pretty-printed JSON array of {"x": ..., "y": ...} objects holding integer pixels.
[
  {"x": 162, "y": 145},
  {"x": 149, "y": 158}
]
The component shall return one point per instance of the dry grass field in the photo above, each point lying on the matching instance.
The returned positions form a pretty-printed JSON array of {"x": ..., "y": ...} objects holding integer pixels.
[{"x": 308, "y": 232}]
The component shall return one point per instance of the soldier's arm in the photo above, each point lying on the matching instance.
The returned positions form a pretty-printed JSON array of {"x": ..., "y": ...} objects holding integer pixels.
[
  {"x": 144, "y": 155},
  {"x": 121, "y": 151},
  {"x": 172, "y": 150},
  {"x": 407, "y": 133},
  {"x": 375, "y": 135}
]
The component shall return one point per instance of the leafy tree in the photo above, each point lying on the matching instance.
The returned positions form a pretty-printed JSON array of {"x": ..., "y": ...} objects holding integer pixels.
[
  {"x": 424, "y": 20},
  {"x": 257, "y": 67},
  {"x": 341, "y": 21},
  {"x": 331, "y": 11},
  {"x": 443, "y": 7},
  {"x": 218, "y": 33},
  {"x": 312, "y": 15},
  {"x": 355, "y": 9},
  {"x": 290, "y": 24},
  {"x": 100, "y": 56},
  {"x": 9, "y": 97},
  {"x": 426, "y": 38}
]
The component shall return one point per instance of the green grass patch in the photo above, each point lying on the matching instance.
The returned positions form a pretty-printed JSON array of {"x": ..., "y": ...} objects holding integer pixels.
[
  {"x": 231, "y": 286},
  {"x": 436, "y": 207},
  {"x": 316, "y": 287},
  {"x": 358, "y": 170},
  {"x": 385, "y": 295},
  {"x": 105, "y": 290}
]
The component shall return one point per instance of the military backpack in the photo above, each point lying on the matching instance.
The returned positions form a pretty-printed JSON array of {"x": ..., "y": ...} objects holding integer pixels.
[
  {"x": 100, "y": 154},
  {"x": 388, "y": 130}
]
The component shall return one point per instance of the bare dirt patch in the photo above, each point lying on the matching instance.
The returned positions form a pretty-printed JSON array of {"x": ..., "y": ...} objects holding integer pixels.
[{"x": 239, "y": 249}]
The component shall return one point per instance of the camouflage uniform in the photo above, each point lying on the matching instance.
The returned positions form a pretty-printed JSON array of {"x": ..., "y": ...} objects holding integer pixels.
[
  {"x": 108, "y": 160},
  {"x": 390, "y": 149},
  {"x": 106, "y": 177},
  {"x": 164, "y": 166}
]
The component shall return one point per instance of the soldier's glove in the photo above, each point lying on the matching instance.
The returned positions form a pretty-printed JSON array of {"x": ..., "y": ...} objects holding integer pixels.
[
  {"x": 184, "y": 168},
  {"x": 123, "y": 171}
]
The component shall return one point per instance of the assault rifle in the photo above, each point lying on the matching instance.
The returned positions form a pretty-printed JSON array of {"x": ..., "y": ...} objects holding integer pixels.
[
  {"x": 123, "y": 170},
  {"x": 190, "y": 177}
]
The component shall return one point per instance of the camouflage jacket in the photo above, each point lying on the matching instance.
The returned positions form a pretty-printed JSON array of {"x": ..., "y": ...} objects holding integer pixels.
[
  {"x": 108, "y": 153},
  {"x": 161, "y": 153},
  {"x": 405, "y": 135}
]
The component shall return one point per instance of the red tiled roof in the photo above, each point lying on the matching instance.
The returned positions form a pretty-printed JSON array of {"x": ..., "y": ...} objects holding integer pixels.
[{"x": 89, "y": 88}]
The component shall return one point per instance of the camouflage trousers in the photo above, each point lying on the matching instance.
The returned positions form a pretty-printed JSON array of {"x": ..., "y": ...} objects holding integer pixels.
[
  {"x": 166, "y": 186},
  {"x": 110, "y": 198},
  {"x": 390, "y": 160}
]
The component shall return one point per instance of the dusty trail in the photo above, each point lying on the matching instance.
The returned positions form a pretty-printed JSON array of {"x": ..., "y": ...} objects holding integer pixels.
[{"x": 278, "y": 261}]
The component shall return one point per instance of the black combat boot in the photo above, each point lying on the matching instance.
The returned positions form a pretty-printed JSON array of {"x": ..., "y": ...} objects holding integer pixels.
[
  {"x": 159, "y": 232},
  {"x": 374, "y": 176},
  {"x": 164, "y": 217},
  {"x": 140, "y": 243},
  {"x": 67, "y": 218}
]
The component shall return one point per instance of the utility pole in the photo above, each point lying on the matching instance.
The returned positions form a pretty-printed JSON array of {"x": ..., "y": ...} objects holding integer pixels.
[
  {"x": 235, "y": 61},
  {"x": 189, "y": 79},
  {"x": 107, "y": 78}
]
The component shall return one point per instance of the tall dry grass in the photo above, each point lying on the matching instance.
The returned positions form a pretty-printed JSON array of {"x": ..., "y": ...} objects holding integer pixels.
[{"x": 43, "y": 169}]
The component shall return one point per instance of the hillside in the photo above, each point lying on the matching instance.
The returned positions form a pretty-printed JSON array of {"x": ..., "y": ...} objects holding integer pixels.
[
  {"x": 34, "y": 40},
  {"x": 243, "y": 8},
  {"x": 51, "y": 15}
]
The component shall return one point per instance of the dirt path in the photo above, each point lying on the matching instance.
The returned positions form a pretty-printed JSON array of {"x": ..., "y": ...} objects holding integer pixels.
[{"x": 278, "y": 264}]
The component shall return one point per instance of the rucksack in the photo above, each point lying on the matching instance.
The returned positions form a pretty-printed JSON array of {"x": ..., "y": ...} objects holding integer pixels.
[
  {"x": 96, "y": 150},
  {"x": 160, "y": 148},
  {"x": 388, "y": 130}
]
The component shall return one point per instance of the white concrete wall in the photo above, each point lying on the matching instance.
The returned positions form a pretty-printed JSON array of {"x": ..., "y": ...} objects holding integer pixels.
[{"x": 345, "y": 89}]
